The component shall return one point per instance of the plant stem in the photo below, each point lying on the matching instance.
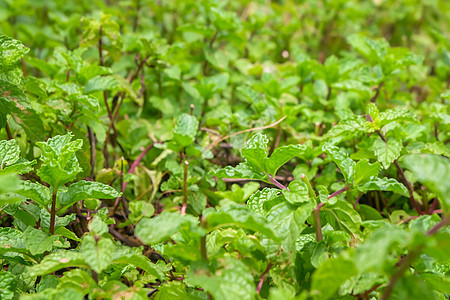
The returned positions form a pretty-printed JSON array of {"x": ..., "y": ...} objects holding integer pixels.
[
  {"x": 377, "y": 93},
  {"x": 136, "y": 18},
  {"x": 406, "y": 261},
  {"x": 262, "y": 277},
  {"x": 216, "y": 142},
  {"x": 100, "y": 47},
  {"x": 276, "y": 183},
  {"x": 131, "y": 170},
  {"x": 405, "y": 181},
  {"x": 185, "y": 195},
  {"x": 92, "y": 143},
  {"x": 337, "y": 193},
  {"x": 312, "y": 193},
  {"x": 8, "y": 131},
  {"x": 53, "y": 211},
  {"x": 317, "y": 222}
]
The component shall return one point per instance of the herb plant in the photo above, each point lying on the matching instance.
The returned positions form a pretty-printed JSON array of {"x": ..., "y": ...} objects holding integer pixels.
[{"x": 185, "y": 149}]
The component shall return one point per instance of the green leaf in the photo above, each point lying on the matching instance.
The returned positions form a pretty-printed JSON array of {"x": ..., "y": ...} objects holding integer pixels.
[
  {"x": 232, "y": 281},
  {"x": 97, "y": 254},
  {"x": 12, "y": 240},
  {"x": 11, "y": 51},
  {"x": 101, "y": 83},
  {"x": 354, "y": 86},
  {"x": 364, "y": 171},
  {"x": 288, "y": 222},
  {"x": 9, "y": 152},
  {"x": 77, "y": 279},
  {"x": 281, "y": 156},
  {"x": 259, "y": 200},
  {"x": 8, "y": 283},
  {"x": 236, "y": 215},
  {"x": 411, "y": 287},
  {"x": 141, "y": 262},
  {"x": 432, "y": 171},
  {"x": 59, "y": 163},
  {"x": 86, "y": 189},
  {"x": 298, "y": 192},
  {"x": 242, "y": 170},
  {"x": 57, "y": 261},
  {"x": 255, "y": 152},
  {"x": 373, "y": 51},
  {"x": 38, "y": 241},
  {"x": 377, "y": 249},
  {"x": 173, "y": 290},
  {"x": 97, "y": 226},
  {"x": 342, "y": 216},
  {"x": 138, "y": 210},
  {"x": 383, "y": 184},
  {"x": 240, "y": 194},
  {"x": 437, "y": 281},
  {"x": 66, "y": 233},
  {"x": 331, "y": 275},
  {"x": 36, "y": 192},
  {"x": 341, "y": 159},
  {"x": 386, "y": 153},
  {"x": 397, "y": 114},
  {"x": 20, "y": 167},
  {"x": 185, "y": 130},
  {"x": 9, "y": 183},
  {"x": 14, "y": 101},
  {"x": 163, "y": 226}
]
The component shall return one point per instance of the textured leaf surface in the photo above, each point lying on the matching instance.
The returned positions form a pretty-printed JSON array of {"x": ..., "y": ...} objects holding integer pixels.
[
  {"x": 384, "y": 184},
  {"x": 233, "y": 281},
  {"x": 98, "y": 255},
  {"x": 341, "y": 159},
  {"x": 11, "y": 51},
  {"x": 163, "y": 226},
  {"x": 235, "y": 215},
  {"x": 9, "y": 152},
  {"x": 87, "y": 189},
  {"x": 242, "y": 170},
  {"x": 255, "y": 152},
  {"x": 281, "y": 156},
  {"x": 101, "y": 83},
  {"x": 185, "y": 130},
  {"x": 433, "y": 171},
  {"x": 364, "y": 171},
  {"x": 59, "y": 163},
  {"x": 387, "y": 152},
  {"x": 36, "y": 192},
  {"x": 327, "y": 279},
  {"x": 141, "y": 262},
  {"x": 57, "y": 261}
]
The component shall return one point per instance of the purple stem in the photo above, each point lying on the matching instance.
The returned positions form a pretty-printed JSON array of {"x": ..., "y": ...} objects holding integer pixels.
[
  {"x": 277, "y": 183},
  {"x": 345, "y": 188},
  {"x": 357, "y": 201},
  {"x": 262, "y": 277},
  {"x": 133, "y": 167}
]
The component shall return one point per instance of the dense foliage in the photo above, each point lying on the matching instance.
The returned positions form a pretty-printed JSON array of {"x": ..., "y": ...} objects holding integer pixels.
[{"x": 237, "y": 149}]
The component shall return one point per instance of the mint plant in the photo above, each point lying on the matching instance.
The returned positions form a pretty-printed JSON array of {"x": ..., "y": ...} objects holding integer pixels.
[{"x": 224, "y": 149}]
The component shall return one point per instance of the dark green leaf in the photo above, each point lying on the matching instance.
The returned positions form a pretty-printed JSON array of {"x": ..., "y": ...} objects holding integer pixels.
[{"x": 431, "y": 170}]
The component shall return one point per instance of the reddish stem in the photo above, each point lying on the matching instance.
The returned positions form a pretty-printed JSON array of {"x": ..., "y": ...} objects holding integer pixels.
[
  {"x": 276, "y": 183},
  {"x": 337, "y": 193},
  {"x": 132, "y": 168},
  {"x": 262, "y": 277}
]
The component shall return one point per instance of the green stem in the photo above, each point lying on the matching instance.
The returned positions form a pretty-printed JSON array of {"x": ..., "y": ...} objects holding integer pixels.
[{"x": 312, "y": 193}]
